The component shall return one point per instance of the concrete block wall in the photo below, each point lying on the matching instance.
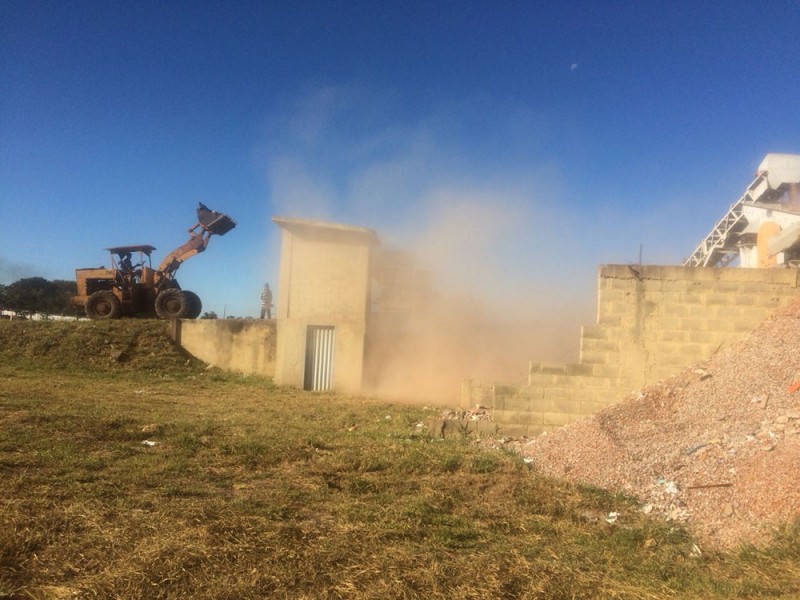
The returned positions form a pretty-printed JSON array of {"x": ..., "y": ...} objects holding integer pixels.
[
  {"x": 652, "y": 321},
  {"x": 325, "y": 277},
  {"x": 242, "y": 345}
]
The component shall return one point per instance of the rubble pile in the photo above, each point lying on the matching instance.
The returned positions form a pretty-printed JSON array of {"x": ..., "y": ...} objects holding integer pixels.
[
  {"x": 716, "y": 447},
  {"x": 478, "y": 413}
]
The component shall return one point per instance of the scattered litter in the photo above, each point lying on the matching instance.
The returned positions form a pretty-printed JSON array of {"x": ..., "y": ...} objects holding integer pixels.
[
  {"x": 696, "y": 552},
  {"x": 612, "y": 517},
  {"x": 149, "y": 443},
  {"x": 671, "y": 488},
  {"x": 647, "y": 508},
  {"x": 793, "y": 387}
]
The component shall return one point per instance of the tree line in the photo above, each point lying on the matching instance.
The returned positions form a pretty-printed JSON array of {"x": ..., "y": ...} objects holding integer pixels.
[{"x": 39, "y": 295}]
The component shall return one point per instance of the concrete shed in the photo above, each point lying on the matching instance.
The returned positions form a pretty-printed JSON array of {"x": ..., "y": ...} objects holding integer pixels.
[{"x": 323, "y": 298}]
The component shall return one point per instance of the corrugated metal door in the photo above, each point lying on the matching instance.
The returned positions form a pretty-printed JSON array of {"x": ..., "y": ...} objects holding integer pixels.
[{"x": 319, "y": 358}]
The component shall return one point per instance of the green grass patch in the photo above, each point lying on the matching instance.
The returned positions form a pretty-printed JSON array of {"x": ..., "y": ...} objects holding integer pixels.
[{"x": 254, "y": 491}]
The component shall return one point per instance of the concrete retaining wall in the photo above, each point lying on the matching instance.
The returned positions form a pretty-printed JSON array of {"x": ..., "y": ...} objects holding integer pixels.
[
  {"x": 243, "y": 345},
  {"x": 652, "y": 321}
]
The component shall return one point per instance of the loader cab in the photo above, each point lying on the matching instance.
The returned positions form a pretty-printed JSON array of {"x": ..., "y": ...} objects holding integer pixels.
[
  {"x": 131, "y": 259},
  {"x": 133, "y": 268},
  {"x": 134, "y": 277}
]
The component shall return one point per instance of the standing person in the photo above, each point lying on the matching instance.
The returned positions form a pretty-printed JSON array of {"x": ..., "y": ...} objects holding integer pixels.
[{"x": 266, "y": 302}]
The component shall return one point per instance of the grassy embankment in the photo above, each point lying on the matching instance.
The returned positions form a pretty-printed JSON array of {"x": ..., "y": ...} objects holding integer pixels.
[{"x": 254, "y": 491}]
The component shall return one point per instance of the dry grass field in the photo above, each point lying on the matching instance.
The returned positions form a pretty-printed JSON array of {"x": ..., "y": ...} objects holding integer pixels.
[{"x": 247, "y": 490}]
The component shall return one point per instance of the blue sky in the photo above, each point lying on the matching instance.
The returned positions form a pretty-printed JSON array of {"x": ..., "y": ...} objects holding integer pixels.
[{"x": 518, "y": 144}]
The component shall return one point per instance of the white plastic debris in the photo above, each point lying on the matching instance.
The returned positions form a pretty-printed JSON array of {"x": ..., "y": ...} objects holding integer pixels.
[
  {"x": 612, "y": 517},
  {"x": 149, "y": 443},
  {"x": 671, "y": 488}
]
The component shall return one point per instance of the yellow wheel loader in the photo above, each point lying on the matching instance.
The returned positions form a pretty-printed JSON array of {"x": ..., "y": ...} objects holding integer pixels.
[{"x": 133, "y": 288}]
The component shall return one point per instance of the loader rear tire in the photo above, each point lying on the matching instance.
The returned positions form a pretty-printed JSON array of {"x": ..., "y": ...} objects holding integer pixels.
[
  {"x": 103, "y": 305},
  {"x": 195, "y": 304}
]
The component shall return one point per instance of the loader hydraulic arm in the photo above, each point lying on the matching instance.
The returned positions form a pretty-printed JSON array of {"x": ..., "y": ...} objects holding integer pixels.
[{"x": 209, "y": 222}]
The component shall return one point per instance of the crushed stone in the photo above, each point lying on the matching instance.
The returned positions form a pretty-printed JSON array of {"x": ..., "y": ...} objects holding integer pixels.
[{"x": 716, "y": 447}]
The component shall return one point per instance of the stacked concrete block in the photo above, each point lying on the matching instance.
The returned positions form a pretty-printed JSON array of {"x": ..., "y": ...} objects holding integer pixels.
[{"x": 652, "y": 321}]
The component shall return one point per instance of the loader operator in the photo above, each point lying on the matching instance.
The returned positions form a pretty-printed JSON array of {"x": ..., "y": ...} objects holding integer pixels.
[
  {"x": 126, "y": 266},
  {"x": 125, "y": 263}
]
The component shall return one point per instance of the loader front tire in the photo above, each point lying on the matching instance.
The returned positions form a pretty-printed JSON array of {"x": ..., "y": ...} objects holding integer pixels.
[
  {"x": 195, "y": 304},
  {"x": 103, "y": 305},
  {"x": 173, "y": 304}
]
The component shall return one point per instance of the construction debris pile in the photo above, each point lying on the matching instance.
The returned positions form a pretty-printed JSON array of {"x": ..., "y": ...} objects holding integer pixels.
[
  {"x": 478, "y": 413},
  {"x": 716, "y": 447}
]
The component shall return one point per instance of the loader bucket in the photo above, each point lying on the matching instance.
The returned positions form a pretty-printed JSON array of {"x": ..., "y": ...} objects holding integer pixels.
[{"x": 213, "y": 221}]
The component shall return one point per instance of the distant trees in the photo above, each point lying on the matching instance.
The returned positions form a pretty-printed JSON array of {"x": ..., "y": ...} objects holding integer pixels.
[
  {"x": 38, "y": 295},
  {"x": 209, "y": 315}
]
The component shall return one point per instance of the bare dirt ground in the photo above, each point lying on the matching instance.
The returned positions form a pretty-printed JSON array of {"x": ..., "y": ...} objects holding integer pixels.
[{"x": 716, "y": 447}]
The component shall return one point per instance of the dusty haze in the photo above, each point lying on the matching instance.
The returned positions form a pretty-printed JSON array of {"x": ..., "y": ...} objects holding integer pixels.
[
  {"x": 512, "y": 262},
  {"x": 473, "y": 307}
]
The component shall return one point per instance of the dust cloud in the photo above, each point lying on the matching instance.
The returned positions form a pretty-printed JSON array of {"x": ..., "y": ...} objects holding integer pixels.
[
  {"x": 493, "y": 265},
  {"x": 469, "y": 297},
  {"x": 427, "y": 356}
]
